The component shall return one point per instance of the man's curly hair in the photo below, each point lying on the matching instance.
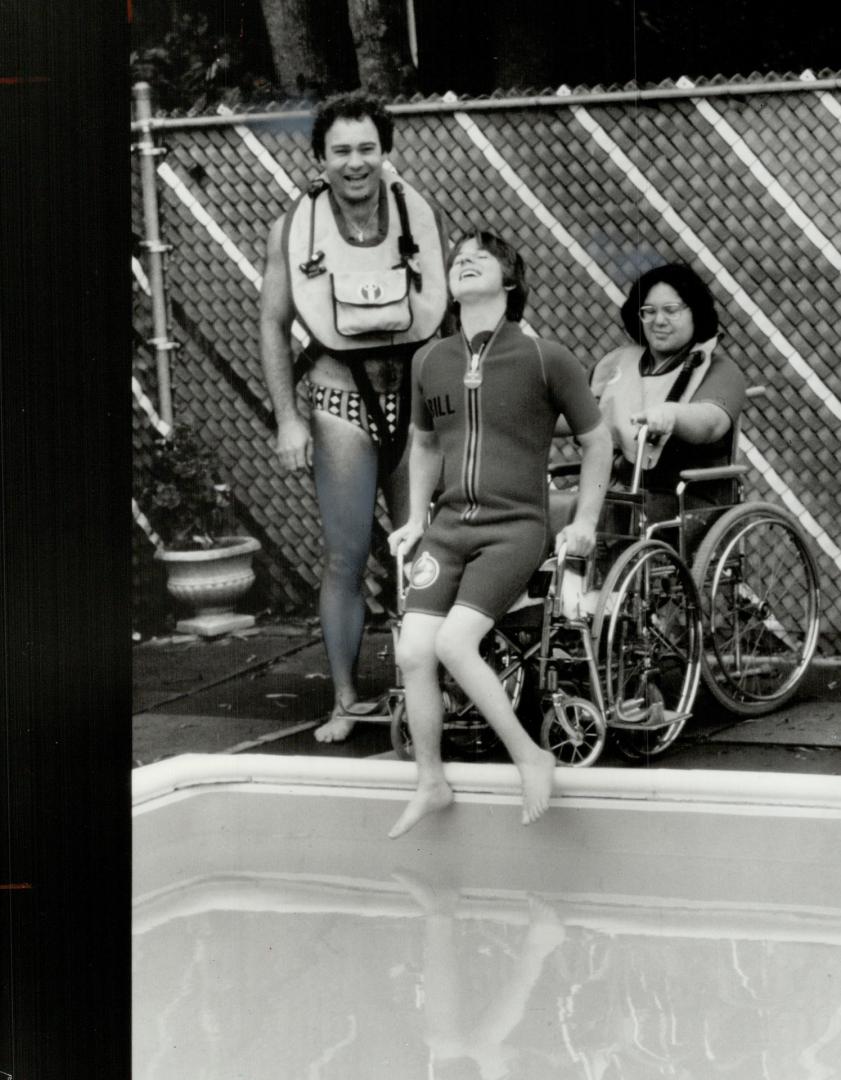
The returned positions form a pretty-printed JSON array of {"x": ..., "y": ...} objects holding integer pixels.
[{"x": 353, "y": 106}]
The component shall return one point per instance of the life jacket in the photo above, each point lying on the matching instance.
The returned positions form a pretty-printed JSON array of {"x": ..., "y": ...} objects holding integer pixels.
[
  {"x": 339, "y": 290},
  {"x": 622, "y": 391}
]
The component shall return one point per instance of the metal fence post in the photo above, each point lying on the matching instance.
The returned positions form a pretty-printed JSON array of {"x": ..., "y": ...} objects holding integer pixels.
[{"x": 156, "y": 249}]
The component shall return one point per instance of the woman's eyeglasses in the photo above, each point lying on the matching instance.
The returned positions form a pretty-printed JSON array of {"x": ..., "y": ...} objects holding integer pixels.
[{"x": 671, "y": 311}]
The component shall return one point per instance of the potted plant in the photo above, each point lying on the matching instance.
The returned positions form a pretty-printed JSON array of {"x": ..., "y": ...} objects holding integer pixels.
[{"x": 188, "y": 506}]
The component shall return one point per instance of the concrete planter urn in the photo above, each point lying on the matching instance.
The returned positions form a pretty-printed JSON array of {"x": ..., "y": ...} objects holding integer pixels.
[{"x": 211, "y": 580}]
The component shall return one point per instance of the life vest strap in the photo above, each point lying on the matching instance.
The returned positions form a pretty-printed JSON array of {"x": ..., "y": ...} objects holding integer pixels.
[
  {"x": 406, "y": 242},
  {"x": 312, "y": 266}
]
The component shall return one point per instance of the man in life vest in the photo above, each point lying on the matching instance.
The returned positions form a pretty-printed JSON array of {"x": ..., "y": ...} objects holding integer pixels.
[
  {"x": 485, "y": 403},
  {"x": 356, "y": 269}
]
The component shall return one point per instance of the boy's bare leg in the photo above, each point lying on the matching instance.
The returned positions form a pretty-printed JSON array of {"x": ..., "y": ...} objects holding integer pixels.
[
  {"x": 424, "y": 707},
  {"x": 458, "y": 649}
]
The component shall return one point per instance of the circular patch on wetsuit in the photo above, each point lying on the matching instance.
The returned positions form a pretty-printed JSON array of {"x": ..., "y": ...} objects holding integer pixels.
[{"x": 425, "y": 571}]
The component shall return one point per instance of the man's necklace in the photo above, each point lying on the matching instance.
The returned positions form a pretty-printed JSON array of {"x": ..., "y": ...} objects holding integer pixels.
[{"x": 358, "y": 231}]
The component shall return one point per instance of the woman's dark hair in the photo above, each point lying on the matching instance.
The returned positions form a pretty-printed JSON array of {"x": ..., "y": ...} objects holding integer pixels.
[
  {"x": 689, "y": 287},
  {"x": 513, "y": 269},
  {"x": 354, "y": 106}
]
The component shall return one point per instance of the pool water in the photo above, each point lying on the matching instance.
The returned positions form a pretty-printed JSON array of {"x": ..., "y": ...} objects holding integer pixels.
[
  {"x": 530, "y": 992},
  {"x": 277, "y": 934}
]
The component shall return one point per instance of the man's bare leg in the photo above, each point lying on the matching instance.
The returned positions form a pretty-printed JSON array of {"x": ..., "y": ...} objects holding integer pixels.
[
  {"x": 345, "y": 473},
  {"x": 458, "y": 649},
  {"x": 424, "y": 708}
]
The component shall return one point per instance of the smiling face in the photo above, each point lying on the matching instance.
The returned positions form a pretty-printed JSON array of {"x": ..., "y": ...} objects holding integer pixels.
[
  {"x": 353, "y": 159},
  {"x": 474, "y": 273},
  {"x": 671, "y": 326}
]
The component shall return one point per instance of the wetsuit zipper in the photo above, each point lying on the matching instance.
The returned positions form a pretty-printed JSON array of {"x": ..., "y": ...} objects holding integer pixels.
[{"x": 473, "y": 429}]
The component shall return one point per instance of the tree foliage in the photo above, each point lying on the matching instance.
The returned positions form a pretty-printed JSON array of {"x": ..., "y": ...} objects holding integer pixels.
[{"x": 312, "y": 48}]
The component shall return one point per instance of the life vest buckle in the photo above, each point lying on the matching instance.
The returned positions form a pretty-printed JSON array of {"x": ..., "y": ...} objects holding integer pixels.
[{"x": 312, "y": 267}]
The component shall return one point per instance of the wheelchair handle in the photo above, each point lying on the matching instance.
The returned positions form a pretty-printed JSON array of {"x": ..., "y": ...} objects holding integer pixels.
[
  {"x": 642, "y": 442},
  {"x": 400, "y": 556}
]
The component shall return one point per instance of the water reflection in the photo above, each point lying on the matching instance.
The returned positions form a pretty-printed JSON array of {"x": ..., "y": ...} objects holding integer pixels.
[
  {"x": 281, "y": 976},
  {"x": 455, "y": 1032}
]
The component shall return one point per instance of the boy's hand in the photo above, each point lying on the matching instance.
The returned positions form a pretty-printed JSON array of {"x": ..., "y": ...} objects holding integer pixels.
[
  {"x": 580, "y": 539},
  {"x": 406, "y": 537}
]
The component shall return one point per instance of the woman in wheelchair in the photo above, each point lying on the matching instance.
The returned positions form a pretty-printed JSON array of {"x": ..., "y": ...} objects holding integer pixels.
[
  {"x": 673, "y": 403},
  {"x": 675, "y": 380},
  {"x": 484, "y": 406}
]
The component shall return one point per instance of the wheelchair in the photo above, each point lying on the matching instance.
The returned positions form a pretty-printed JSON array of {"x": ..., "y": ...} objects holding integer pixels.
[{"x": 616, "y": 647}]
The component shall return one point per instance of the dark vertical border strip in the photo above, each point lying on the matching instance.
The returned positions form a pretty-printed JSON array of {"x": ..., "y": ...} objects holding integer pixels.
[{"x": 65, "y": 445}]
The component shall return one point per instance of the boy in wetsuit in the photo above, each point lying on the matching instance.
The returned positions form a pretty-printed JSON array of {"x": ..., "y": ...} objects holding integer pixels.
[{"x": 484, "y": 406}]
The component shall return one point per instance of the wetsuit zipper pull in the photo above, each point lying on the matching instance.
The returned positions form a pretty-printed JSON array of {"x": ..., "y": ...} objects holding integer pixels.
[{"x": 473, "y": 376}]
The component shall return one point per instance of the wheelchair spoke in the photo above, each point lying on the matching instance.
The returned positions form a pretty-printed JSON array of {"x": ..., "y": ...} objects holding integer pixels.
[
  {"x": 648, "y": 636},
  {"x": 758, "y": 581}
]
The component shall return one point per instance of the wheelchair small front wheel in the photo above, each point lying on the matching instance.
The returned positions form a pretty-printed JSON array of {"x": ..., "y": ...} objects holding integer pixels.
[{"x": 573, "y": 730}]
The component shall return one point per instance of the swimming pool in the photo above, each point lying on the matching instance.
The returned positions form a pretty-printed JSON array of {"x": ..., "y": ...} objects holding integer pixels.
[{"x": 654, "y": 923}]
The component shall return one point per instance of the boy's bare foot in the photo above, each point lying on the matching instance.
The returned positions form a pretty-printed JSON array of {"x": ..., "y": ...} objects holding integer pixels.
[
  {"x": 537, "y": 774},
  {"x": 428, "y": 798},
  {"x": 546, "y": 931}
]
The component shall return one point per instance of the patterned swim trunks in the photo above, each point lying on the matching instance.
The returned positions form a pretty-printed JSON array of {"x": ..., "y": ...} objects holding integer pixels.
[{"x": 348, "y": 405}]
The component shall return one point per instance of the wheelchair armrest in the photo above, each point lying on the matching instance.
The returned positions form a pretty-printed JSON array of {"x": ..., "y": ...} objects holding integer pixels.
[
  {"x": 630, "y": 498},
  {"x": 722, "y": 472}
]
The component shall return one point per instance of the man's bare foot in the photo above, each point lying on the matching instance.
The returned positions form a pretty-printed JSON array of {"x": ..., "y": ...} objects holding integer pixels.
[
  {"x": 338, "y": 727},
  {"x": 426, "y": 800},
  {"x": 343, "y": 717},
  {"x": 537, "y": 774}
]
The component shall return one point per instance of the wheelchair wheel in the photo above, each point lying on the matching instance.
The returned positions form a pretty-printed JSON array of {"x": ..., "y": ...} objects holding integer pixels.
[
  {"x": 466, "y": 734},
  {"x": 573, "y": 730},
  {"x": 647, "y": 635},
  {"x": 760, "y": 604}
]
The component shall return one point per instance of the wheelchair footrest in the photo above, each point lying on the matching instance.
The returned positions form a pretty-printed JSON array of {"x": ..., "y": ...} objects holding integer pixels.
[
  {"x": 370, "y": 712},
  {"x": 646, "y": 718}
]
